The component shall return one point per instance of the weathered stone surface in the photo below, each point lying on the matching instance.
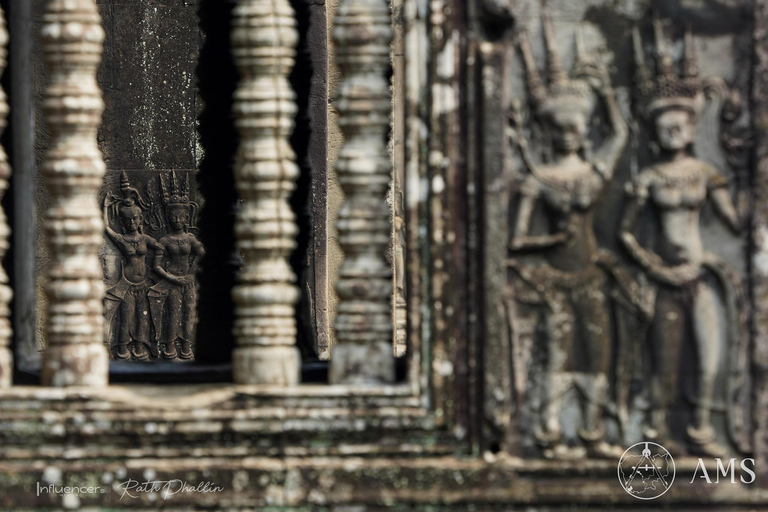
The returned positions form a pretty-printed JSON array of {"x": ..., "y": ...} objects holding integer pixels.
[
  {"x": 313, "y": 450},
  {"x": 264, "y": 38},
  {"x": 6, "y": 294},
  {"x": 546, "y": 294},
  {"x": 72, "y": 39},
  {"x": 759, "y": 256},
  {"x": 443, "y": 439},
  {"x": 150, "y": 263},
  {"x": 148, "y": 79},
  {"x": 364, "y": 169}
]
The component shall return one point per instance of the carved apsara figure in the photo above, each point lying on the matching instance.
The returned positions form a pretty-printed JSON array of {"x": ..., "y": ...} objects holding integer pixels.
[
  {"x": 687, "y": 277},
  {"x": 572, "y": 285},
  {"x": 129, "y": 295},
  {"x": 174, "y": 299}
]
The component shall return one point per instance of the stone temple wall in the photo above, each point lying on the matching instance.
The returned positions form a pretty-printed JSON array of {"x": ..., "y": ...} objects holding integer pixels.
[{"x": 584, "y": 272}]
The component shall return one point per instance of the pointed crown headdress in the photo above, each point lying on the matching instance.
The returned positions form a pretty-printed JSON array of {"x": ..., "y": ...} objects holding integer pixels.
[
  {"x": 131, "y": 196},
  {"x": 173, "y": 192},
  {"x": 668, "y": 89},
  {"x": 561, "y": 91}
]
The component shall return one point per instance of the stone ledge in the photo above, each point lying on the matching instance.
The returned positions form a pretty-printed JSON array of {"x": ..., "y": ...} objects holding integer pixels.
[
  {"x": 331, "y": 481},
  {"x": 218, "y": 421}
]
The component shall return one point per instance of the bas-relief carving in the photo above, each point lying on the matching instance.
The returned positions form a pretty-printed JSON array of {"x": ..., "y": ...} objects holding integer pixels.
[
  {"x": 568, "y": 283},
  {"x": 609, "y": 327},
  {"x": 690, "y": 281},
  {"x": 150, "y": 272}
]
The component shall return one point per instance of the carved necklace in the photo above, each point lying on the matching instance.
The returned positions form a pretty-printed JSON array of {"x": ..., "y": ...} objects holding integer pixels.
[
  {"x": 133, "y": 240},
  {"x": 566, "y": 181},
  {"x": 684, "y": 173}
]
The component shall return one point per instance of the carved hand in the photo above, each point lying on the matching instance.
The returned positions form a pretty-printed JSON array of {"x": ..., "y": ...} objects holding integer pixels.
[
  {"x": 596, "y": 73},
  {"x": 675, "y": 275}
]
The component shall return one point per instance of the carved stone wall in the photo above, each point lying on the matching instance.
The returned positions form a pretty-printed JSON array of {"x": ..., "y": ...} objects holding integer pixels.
[
  {"x": 149, "y": 124},
  {"x": 616, "y": 182},
  {"x": 560, "y": 212},
  {"x": 149, "y": 80}
]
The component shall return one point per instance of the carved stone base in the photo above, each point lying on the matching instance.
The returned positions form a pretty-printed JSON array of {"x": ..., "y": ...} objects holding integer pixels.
[
  {"x": 275, "y": 365},
  {"x": 78, "y": 364},
  {"x": 370, "y": 363}
]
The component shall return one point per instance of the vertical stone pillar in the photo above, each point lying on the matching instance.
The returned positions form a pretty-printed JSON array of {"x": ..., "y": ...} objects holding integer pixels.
[
  {"x": 264, "y": 39},
  {"x": 363, "y": 353},
  {"x": 759, "y": 256},
  {"x": 6, "y": 358},
  {"x": 72, "y": 40}
]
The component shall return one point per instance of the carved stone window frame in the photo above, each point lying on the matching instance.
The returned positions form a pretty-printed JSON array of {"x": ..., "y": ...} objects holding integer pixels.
[{"x": 429, "y": 399}]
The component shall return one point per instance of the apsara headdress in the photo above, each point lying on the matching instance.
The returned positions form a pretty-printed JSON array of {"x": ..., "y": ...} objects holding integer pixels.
[
  {"x": 173, "y": 192},
  {"x": 667, "y": 90},
  {"x": 561, "y": 91}
]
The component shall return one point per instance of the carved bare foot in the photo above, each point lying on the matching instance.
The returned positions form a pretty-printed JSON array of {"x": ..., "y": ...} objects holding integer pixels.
[
  {"x": 169, "y": 350},
  {"x": 140, "y": 351},
  {"x": 564, "y": 452},
  {"x": 603, "y": 450},
  {"x": 186, "y": 350},
  {"x": 702, "y": 442},
  {"x": 673, "y": 447},
  {"x": 122, "y": 352}
]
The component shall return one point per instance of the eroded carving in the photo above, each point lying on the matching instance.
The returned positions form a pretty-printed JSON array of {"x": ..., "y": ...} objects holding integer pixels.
[
  {"x": 152, "y": 296},
  {"x": 565, "y": 290},
  {"x": 128, "y": 297},
  {"x": 173, "y": 300},
  {"x": 692, "y": 283},
  {"x": 400, "y": 302}
]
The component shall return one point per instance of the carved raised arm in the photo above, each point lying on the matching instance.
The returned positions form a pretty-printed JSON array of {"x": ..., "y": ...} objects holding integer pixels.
[
  {"x": 113, "y": 235},
  {"x": 72, "y": 40},
  {"x": 608, "y": 155}
]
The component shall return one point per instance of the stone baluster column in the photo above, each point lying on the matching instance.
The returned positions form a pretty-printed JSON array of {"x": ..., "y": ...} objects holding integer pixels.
[
  {"x": 6, "y": 358},
  {"x": 72, "y": 40},
  {"x": 264, "y": 39},
  {"x": 363, "y": 353}
]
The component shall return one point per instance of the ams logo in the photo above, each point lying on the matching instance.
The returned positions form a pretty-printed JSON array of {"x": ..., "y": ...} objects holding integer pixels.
[{"x": 747, "y": 475}]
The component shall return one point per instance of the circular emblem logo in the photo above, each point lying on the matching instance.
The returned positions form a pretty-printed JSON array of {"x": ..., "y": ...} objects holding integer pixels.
[{"x": 646, "y": 470}]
